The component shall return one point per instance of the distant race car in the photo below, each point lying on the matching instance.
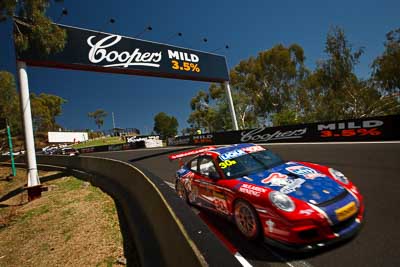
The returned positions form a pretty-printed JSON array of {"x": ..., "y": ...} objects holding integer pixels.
[
  {"x": 296, "y": 205},
  {"x": 69, "y": 151}
]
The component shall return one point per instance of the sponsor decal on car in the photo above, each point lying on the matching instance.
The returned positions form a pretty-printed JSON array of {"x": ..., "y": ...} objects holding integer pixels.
[
  {"x": 232, "y": 154},
  {"x": 276, "y": 179},
  {"x": 305, "y": 171},
  {"x": 240, "y": 152},
  {"x": 346, "y": 211},
  {"x": 252, "y": 149},
  {"x": 193, "y": 193},
  {"x": 306, "y": 212},
  {"x": 227, "y": 163},
  {"x": 270, "y": 225},
  {"x": 252, "y": 190},
  {"x": 292, "y": 186},
  {"x": 190, "y": 153}
]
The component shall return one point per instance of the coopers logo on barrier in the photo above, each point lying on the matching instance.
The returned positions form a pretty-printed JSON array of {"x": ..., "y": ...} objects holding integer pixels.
[
  {"x": 99, "y": 53},
  {"x": 257, "y": 135}
]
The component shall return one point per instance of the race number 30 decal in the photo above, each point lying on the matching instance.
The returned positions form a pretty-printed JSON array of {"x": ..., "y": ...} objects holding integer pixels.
[{"x": 227, "y": 163}]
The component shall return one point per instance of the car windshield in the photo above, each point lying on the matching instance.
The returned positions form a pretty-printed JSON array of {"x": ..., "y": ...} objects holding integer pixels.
[{"x": 249, "y": 163}]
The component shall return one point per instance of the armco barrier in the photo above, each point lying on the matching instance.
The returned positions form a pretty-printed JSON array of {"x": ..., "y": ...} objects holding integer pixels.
[
  {"x": 383, "y": 128},
  {"x": 165, "y": 232}
]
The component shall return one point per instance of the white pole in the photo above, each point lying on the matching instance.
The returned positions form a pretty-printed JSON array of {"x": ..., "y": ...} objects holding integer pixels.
[
  {"x": 231, "y": 106},
  {"x": 112, "y": 113},
  {"x": 33, "y": 177}
]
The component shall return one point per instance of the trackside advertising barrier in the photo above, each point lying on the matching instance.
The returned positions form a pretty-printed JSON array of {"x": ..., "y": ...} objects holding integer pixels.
[
  {"x": 383, "y": 128},
  {"x": 132, "y": 142},
  {"x": 118, "y": 147}
]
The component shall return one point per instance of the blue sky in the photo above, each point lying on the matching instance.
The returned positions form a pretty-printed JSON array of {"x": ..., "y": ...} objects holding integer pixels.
[{"x": 248, "y": 27}]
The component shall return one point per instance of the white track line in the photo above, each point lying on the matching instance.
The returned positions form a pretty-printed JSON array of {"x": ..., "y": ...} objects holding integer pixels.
[
  {"x": 172, "y": 185},
  {"x": 242, "y": 260}
]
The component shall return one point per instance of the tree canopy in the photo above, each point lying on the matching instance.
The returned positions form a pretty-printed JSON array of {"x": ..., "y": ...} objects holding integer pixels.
[
  {"x": 386, "y": 68},
  {"x": 45, "y": 107},
  {"x": 276, "y": 88},
  {"x": 9, "y": 101},
  {"x": 98, "y": 116},
  {"x": 165, "y": 125},
  {"x": 44, "y": 36}
]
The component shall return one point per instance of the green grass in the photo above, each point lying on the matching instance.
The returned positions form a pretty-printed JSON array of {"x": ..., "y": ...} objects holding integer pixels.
[
  {"x": 35, "y": 212},
  {"x": 115, "y": 140},
  {"x": 70, "y": 183},
  {"x": 94, "y": 195}
]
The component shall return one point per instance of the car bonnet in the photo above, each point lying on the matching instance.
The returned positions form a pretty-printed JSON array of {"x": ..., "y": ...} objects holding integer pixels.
[{"x": 298, "y": 181}]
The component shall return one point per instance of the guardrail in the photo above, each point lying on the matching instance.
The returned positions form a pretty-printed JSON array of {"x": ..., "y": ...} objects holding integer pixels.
[{"x": 164, "y": 231}]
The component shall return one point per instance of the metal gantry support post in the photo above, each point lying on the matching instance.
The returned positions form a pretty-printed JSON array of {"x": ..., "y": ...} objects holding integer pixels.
[
  {"x": 34, "y": 187},
  {"x": 231, "y": 106}
]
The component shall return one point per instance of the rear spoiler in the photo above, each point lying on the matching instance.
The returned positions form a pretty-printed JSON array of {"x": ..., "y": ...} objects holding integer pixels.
[{"x": 190, "y": 152}]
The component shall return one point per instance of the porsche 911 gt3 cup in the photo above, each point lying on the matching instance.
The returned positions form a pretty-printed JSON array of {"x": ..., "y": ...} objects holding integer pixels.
[{"x": 291, "y": 204}]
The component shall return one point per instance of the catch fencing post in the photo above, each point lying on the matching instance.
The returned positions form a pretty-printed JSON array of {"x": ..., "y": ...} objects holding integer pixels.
[
  {"x": 231, "y": 106},
  {"x": 34, "y": 187},
  {"x": 14, "y": 172}
]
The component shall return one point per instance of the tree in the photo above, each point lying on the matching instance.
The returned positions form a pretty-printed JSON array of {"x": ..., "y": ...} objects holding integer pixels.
[
  {"x": 386, "y": 68},
  {"x": 263, "y": 86},
  {"x": 98, "y": 116},
  {"x": 334, "y": 79},
  {"x": 164, "y": 125},
  {"x": 203, "y": 115},
  {"x": 9, "y": 102},
  {"x": 276, "y": 88},
  {"x": 42, "y": 35},
  {"x": 45, "y": 109}
]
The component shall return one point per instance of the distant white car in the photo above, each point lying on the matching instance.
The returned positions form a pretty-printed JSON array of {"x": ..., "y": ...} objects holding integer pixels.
[{"x": 15, "y": 153}]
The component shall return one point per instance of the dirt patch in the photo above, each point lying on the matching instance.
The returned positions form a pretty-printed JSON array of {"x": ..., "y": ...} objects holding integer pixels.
[{"x": 73, "y": 224}]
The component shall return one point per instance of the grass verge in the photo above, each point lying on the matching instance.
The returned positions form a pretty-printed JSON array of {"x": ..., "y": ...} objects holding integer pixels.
[
  {"x": 72, "y": 224},
  {"x": 115, "y": 140}
]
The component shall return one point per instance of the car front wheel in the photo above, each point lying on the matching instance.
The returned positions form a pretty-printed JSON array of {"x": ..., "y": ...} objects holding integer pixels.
[{"x": 246, "y": 220}]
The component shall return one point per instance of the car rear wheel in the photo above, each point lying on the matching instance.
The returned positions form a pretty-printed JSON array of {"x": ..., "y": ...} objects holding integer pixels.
[{"x": 246, "y": 220}]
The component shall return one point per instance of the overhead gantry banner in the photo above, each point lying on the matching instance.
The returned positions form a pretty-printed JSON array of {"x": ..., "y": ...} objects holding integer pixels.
[{"x": 104, "y": 52}]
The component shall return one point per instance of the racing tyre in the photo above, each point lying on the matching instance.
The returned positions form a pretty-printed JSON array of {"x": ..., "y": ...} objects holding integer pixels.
[
  {"x": 246, "y": 220},
  {"x": 181, "y": 191}
]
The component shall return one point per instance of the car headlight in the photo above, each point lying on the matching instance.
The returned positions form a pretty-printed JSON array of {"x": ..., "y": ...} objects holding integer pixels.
[
  {"x": 338, "y": 176},
  {"x": 281, "y": 201}
]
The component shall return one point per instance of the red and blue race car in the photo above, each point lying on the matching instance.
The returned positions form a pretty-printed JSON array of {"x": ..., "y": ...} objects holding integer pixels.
[{"x": 291, "y": 204}]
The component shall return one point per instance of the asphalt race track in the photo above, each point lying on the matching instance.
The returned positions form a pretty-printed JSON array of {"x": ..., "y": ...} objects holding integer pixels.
[{"x": 373, "y": 167}]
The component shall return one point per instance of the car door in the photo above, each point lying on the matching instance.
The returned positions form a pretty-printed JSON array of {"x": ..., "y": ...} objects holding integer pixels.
[{"x": 211, "y": 195}]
